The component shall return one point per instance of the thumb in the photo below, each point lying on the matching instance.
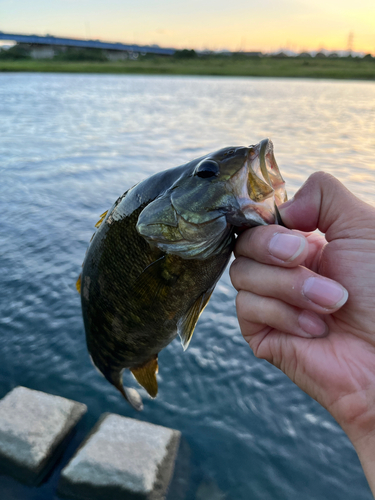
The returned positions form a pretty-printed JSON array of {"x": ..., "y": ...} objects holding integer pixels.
[{"x": 324, "y": 203}]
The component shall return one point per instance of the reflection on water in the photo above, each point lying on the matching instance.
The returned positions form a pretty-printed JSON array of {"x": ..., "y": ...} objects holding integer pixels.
[
  {"x": 69, "y": 146},
  {"x": 208, "y": 490}
]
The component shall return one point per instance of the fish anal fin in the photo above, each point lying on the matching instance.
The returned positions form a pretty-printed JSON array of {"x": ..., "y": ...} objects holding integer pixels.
[
  {"x": 146, "y": 376},
  {"x": 78, "y": 284},
  {"x": 102, "y": 217},
  {"x": 187, "y": 324}
]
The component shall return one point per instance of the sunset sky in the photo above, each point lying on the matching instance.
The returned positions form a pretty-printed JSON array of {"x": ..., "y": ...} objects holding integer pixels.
[{"x": 266, "y": 25}]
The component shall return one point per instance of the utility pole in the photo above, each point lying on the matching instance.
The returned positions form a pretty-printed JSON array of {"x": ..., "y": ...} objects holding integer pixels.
[{"x": 350, "y": 43}]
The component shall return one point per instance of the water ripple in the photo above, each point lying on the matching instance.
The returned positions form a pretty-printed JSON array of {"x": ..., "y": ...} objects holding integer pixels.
[{"x": 70, "y": 145}]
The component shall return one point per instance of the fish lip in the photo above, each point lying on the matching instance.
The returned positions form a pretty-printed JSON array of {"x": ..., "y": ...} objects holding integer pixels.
[
  {"x": 258, "y": 187},
  {"x": 255, "y": 149},
  {"x": 269, "y": 168},
  {"x": 247, "y": 212}
]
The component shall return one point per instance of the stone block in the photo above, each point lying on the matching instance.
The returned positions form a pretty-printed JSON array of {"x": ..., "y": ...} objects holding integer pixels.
[
  {"x": 34, "y": 427},
  {"x": 122, "y": 459}
]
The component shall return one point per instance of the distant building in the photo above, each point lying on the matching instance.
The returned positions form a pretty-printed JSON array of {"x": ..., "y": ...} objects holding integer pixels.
[{"x": 40, "y": 51}]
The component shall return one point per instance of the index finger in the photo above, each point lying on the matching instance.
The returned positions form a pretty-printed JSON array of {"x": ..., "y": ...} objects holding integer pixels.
[{"x": 275, "y": 245}]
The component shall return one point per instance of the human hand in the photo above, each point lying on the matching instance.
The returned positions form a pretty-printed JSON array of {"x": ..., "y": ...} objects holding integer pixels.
[{"x": 293, "y": 306}]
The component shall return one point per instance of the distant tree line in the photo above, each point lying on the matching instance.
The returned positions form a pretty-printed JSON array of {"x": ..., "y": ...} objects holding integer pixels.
[
  {"x": 15, "y": 52},
  {"x": 87, "y": 54},
  {"x": 70, "y": 54}
]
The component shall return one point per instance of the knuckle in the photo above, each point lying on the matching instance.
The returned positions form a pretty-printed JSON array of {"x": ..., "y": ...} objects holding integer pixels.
[
  {"x": 316, "y": 176},
  {"x": 260, "y": 348},
  {"x": 248, "y": 240},
  {"x": 322, "y": 178},
  {"x": 233, "y": 271},
  {"x": 236, "y": 270},
  {"x": 242, "y": 243},
  {"x": 242, "y": 305}
]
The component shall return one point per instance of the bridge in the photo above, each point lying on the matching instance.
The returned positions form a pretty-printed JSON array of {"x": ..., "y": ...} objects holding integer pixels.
[{"x": 52, "y": 41}]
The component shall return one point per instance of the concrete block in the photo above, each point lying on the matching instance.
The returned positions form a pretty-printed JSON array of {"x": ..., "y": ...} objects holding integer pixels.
[
  {"x": 122, "y": 459},
  {"x": 34, "y": 427}
]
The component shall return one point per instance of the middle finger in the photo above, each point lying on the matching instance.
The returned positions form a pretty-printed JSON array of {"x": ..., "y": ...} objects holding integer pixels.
[{"x": 298, "y": 286}]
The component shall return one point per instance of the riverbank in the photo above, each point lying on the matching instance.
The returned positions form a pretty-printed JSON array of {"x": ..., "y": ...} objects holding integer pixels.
[{"x": 340, "y": 68}]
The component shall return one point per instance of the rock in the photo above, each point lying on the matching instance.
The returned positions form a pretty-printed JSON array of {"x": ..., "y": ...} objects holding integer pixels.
[
  {"x": 122, "y": 458},
  {"x": 34, "y": 427}
]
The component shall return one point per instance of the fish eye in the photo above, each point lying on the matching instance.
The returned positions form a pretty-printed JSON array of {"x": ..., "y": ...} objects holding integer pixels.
[{"x": 207, "y": 168}]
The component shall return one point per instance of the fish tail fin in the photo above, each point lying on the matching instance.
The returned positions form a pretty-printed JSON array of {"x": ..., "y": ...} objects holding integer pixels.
[
  {"x": 146, "y": 376},
  {"x": 132, "y": 397},
  {"x": 130, "y": 394},
  {"x": 114, "y": 377}
]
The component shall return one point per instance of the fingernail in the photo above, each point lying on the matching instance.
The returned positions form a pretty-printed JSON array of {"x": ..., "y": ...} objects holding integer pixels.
[
  {"x": 312, "y": 324},
  {"x": 325, "y": 292},
  {"x": 286, "y": 247}
]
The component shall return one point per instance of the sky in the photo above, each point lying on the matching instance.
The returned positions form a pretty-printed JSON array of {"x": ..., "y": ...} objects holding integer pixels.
[{"x": 247, "y": 25}]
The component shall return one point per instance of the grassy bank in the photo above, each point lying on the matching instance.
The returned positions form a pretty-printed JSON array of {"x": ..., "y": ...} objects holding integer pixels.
[{"x": 341, "y": 68}]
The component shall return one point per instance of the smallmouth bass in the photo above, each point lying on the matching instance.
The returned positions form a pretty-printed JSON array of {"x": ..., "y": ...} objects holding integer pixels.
[{"x": 159, "y": 251}]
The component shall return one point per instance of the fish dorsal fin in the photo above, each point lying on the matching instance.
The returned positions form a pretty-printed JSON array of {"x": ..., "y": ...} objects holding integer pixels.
[
  {"x": 78, "y": 284},
  {"x": 146, "y": 376},
  {"x": 187, "y": 324},
  {"x": 102, "y": 217}
]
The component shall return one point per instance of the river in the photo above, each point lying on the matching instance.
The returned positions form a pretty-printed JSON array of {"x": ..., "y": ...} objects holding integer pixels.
[{"x": 69, "y": 146}]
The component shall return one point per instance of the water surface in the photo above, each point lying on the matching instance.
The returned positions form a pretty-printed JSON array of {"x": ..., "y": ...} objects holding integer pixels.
[{"x": 69, "y": 146}]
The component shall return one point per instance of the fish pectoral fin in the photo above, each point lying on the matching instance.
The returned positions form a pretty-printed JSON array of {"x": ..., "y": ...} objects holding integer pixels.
[
  {"x": 149, "y": 285},
  {"x": 154, "y": 283},
  {"x": 102, "y": 217},
  {"x": 146, "y": 376},
  {"x": 78, "y": 284},
  {"x": 186, "y": 325}
]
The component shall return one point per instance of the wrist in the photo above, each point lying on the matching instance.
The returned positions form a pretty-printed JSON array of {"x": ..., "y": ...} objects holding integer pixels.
[
  {"x": 353, "y": 407},
  {"x": 365, "y": 448},
  {"x": 360, "y": 429}
]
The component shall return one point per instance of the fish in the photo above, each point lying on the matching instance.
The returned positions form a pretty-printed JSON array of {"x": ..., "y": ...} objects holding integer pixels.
[{"x": 159, "y": 251}]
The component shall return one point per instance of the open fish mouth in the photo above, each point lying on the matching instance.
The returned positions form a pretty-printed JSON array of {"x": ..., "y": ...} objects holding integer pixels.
[
  {"x": 264, "y": 165},
  {"x": 258, "y": 187}
]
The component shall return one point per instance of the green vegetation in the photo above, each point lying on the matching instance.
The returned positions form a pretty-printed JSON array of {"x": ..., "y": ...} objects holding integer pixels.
[
  {"x": 185, "y": 54},
  {"x": 188, "y": 63},
  {"x": 15, "y": 53},
  {"x": 80, "y": 55}
]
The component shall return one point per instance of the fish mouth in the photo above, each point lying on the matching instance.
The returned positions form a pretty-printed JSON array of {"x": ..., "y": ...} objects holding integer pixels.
[
  {"x": 258, "y": 187},
  {"x": 263, "y": 164}
]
